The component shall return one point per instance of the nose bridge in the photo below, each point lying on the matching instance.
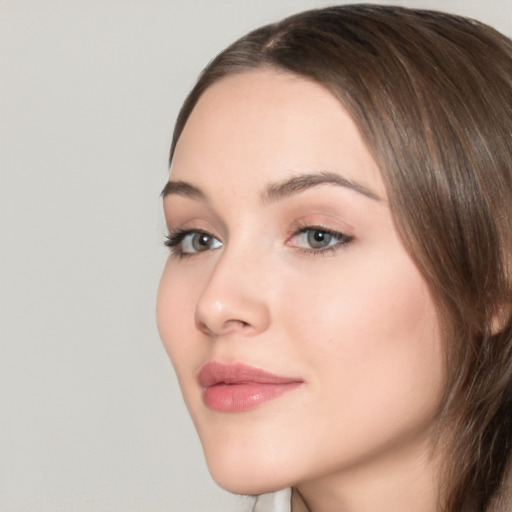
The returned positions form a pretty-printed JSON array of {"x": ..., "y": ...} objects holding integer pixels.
[{"x": 234, "y": 297}]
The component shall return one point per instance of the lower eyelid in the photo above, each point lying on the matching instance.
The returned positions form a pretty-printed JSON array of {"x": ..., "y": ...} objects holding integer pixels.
[{"x": 329, "y": 250}]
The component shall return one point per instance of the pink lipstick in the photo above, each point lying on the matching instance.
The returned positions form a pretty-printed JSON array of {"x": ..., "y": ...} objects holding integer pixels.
[{"x": 238, "y": 387}]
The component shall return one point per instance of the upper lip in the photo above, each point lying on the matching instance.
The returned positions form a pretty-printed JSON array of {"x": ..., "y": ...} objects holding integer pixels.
[{"x": 213, "y": 373}]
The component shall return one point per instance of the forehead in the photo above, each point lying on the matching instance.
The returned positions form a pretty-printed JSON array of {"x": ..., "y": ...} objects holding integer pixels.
[{"x": 269, "y": 124}]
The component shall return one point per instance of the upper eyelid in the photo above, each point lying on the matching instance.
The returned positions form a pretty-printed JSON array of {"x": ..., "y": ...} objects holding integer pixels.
[
  {"x": 334, "y": 232},
  {"x": 181, "y": 233},
  {"x": 332, "y": 217},
  {"x": 192, "y": 220},
  {"x": 329, "y": 225}
]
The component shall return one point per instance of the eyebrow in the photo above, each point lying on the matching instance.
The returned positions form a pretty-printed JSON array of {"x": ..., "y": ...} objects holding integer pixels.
[
  {"x": 280, "y": 190},
  {"x": 296, "y": 184},
  {"x": 183, "y": 189}
]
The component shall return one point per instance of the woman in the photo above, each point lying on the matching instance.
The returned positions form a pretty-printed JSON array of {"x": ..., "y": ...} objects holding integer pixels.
[{"x": 337, "y": 301}]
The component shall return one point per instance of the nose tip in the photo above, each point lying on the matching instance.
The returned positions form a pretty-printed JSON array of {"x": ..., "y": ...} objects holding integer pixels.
[
  {"x": 229, "y": 306},
  {"x": 212, "y": 317}
]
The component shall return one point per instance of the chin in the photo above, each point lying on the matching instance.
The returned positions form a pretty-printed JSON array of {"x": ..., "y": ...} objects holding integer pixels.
[
  {"x": 246, "y": 472},
  {"x": 247, "y": 483}
]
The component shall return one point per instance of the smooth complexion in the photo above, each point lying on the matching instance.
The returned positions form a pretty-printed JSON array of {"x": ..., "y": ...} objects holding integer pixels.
[{"x": 285, "y": 259}]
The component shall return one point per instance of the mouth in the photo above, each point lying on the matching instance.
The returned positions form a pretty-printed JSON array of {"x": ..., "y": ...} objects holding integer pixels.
[{"x": 238, "y": 387}]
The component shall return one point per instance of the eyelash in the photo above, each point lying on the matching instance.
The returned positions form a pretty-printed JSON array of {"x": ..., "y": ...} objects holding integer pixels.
[{"x": 176, "y": 237}]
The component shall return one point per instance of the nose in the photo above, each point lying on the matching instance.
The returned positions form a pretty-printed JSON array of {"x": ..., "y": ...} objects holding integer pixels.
[{"x": 234, "y": 298}]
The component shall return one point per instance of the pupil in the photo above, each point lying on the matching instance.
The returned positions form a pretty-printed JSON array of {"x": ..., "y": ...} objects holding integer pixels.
[
  {"x": 201, "y": 242},
  {"x": 204, "y": 239}
]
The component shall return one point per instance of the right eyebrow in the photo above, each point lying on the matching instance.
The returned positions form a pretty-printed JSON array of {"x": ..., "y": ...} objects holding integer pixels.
[{"x": 183, "y": 189}]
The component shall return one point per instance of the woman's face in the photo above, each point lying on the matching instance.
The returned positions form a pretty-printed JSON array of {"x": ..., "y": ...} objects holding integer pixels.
[{"x": 304, "y": 338}]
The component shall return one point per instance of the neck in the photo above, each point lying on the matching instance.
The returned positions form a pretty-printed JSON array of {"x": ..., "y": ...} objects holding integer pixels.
[{"x": 397, "y": 482}]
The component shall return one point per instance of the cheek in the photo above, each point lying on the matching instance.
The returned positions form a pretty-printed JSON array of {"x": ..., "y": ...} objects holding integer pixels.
[
  {"x": 175, "y": 314},
  {"x": 372, "y": 341},
  {"x": 363, "y": 336},
  {"x": 366, "y": 303}
]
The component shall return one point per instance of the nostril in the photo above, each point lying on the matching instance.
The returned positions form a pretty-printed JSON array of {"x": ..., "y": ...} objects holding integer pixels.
[
  {"x": 226, "y": 327},
  {"x": 236, "y": 324},
  {"x": 204, "y": 328}
]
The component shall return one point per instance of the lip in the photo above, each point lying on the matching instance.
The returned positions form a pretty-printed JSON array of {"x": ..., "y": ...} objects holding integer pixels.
[{"x": 238, "y": 387}]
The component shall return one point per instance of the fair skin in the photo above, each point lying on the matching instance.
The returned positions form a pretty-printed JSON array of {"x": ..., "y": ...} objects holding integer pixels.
[{"x": 305, "y": 279}]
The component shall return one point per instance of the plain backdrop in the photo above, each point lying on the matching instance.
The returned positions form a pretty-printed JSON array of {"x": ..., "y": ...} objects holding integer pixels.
[{"x": 91, "y": 417}]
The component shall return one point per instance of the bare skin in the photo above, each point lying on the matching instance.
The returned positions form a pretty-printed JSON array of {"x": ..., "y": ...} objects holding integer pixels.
[{"x": 285, "y": 258}]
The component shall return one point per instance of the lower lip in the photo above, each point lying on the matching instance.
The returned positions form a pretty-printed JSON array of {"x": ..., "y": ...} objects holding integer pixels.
[{"x": 242, "y": 397}]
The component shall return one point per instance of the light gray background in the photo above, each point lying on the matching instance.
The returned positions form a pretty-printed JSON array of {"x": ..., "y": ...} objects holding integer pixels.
[{"x": 91, "y": 416}]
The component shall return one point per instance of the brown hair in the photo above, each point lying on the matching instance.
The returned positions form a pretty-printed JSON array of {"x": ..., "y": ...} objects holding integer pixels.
[{"x": 431, "y": 94}]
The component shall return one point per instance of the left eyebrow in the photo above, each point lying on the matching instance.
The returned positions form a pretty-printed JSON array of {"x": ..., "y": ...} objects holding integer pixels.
[{"x": 294, "y": 185}]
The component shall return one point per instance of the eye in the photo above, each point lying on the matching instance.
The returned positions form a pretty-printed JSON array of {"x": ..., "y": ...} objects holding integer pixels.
[
  {"x": 188, "y": 243},
  {"x": 318, "y": 240},
  {"x": 198, "y": 242}
]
